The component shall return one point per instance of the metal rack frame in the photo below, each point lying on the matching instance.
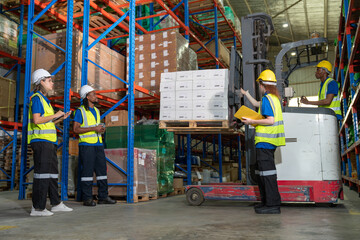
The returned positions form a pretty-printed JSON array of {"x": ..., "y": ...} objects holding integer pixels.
[{"x": 13, "y": 126}]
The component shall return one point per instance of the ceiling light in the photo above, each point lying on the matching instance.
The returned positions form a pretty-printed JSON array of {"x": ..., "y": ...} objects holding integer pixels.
[
  {"x": 293, "y": 53},
  {"x": 285, "y": 25}
]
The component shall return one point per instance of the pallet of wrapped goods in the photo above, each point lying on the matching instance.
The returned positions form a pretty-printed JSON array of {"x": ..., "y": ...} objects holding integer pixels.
[
  {"x": 145, "y": 173},
  {"x": 50, "y": 58},
  {"x": 195, "y": 101},
  {"x": 7, "y": 98},
  {"x": 157, "y": 53},
  {"x": 8, "y": 36}
]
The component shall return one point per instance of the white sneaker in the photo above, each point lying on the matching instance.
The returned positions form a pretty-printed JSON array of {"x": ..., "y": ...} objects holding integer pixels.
[
  {"x": 43, "y": 213},
  {"x": 61, "y": 208}
]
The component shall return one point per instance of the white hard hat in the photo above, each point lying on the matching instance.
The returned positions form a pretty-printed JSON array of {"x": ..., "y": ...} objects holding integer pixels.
[
  {"x": 84, "y": 90},
  {"x": 39, "y": 75}
]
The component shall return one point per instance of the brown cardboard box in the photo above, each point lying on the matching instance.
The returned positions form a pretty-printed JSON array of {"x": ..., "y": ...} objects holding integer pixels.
[
  {"x": 48, "y": 57},
  {"x": 224, "y": 53},
  {"x": 74, "y": 147},
  {"x": 117, "y": 118},
  {"x": 7, "y": 98},
  {"x": 178, "y": 183}
]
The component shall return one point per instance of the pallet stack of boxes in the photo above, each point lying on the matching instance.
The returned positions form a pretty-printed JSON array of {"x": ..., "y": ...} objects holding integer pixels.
[
  {"x": 194, "y": 95},
  {"x": 159, "y": 53}
]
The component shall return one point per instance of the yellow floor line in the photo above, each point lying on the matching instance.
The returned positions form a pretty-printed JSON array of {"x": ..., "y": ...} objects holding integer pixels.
[
  {"x": 354, "y": 213},
  {"x": 6, "y": 227}
]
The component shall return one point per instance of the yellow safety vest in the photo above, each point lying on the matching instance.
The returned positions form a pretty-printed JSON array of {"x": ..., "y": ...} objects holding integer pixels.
[
  {"x": 44, "y": 131},
  {"x": 335, "y": 104},
  {"x": 89, "y": 121},
  {"x": 273, "y": 134}
]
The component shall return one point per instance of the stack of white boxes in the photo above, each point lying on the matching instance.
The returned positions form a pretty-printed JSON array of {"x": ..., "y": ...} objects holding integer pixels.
[{"x": 194, "y": 95}]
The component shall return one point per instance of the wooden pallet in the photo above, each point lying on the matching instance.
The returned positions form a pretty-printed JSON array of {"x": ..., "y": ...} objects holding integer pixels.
[
  {"x": 177, "y": 191},
  {"x": 202, "y": 124},
  {"x": 186, "y": 126},
  {"x": 144, "y": 197}
]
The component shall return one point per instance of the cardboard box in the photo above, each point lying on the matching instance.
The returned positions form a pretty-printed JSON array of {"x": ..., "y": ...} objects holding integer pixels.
[
  {"x": 168, "y": 105},
  {"x": 184, "y": 115},
  {"x": 184, "y": 95},
  {"x": 168, "y": 96},
  {"x": 184, "y": 76},
  {"x": 7, "y": 98},
  {"x": 220, "y": 84},
  {"x": 210, "y": 95},
  {"x": 168, "y": 77},
  {"x": 117, "y": 118},
  {"x": 184, "y": 105},
  {"x": 167, "y": 114},
  {"x": 184, "y": 85},
  {"x": 200, "y": 84},
  {"x": 74, "y": 147},
  {"x": 178, "y": 183},
  {"x": 200, "y": 114},
  {"x": 167, "y": 86},
  {"x": 218, "y": 114}
]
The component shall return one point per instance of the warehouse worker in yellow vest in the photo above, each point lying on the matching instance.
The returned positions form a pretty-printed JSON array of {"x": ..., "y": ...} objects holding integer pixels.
[
  {"x": 269, "y": 134},
  {"x": 43, "y": 140},
  {"x": 329, "y": 94},
  {"x": 91, "y": 149}
]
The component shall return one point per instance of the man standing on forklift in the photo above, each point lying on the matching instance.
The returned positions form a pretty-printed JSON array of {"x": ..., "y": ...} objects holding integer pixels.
[
  {"x": 269, "y": 134},
  {"x": 329, "y": 94}
]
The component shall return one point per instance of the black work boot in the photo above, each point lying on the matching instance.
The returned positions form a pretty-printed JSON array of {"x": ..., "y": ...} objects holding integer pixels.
[
  {"x": 268, "y": 210},
  {"x": 259, "y": 205},
  {"x": 89, "y": 203},
  {"x": 107, "y": 200}
]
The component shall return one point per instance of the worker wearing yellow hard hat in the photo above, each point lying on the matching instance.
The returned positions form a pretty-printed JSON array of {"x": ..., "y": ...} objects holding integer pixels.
[
  {"x": 269, "y": 134},
  {"x": 329, "y": 94}
]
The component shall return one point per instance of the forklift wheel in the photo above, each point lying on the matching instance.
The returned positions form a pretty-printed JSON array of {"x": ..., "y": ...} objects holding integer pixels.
[{"x": 195, "y": 197}]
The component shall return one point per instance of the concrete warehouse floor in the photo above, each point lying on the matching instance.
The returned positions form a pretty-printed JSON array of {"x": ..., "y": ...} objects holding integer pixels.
[{"x": 172, "y": 218}]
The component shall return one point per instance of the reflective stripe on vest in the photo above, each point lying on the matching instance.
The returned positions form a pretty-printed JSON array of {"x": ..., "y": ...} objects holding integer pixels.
[
  {"x": 44, "y": 131},
  {"x": 273, "y": 134},
  {"x": 335, "y": 104},
  {"x": 89, "y": 121}
]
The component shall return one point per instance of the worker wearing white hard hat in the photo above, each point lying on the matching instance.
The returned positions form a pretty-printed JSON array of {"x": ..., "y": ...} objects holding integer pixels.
[
  {"x": 329, "y": 94},
  {"x": 269, "y": 134},
  {"x": 91, "y": 149},
  {"x": 43, "y": 140}
]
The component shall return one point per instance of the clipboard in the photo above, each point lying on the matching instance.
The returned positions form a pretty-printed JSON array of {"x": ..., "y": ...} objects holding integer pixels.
[{"x": 248, "y": 113}]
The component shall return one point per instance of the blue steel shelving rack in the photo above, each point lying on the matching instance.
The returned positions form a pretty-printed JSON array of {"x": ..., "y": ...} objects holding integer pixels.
[
  {"x": 67, "y": 64},
  {"x": 207, "y": 140},
  {"x": 347, "y": 53},
  {"x": 14, "y": 125}
]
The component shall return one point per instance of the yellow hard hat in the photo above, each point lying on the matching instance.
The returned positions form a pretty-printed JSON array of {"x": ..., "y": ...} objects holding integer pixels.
[
  {"x": 267, "y": 77},
  {"x": 325, "y": 64}
]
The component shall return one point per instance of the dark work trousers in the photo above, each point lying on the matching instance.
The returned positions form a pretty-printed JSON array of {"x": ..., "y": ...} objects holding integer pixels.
[
  {"x": 45, "y": 174},
  {"x": 92, "y": 159},
  {"x": 267, "y": 177}
]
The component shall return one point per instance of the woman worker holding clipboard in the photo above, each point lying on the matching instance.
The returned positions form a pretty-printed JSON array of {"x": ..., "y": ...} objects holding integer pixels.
[
  {"x": 269, "y": 134},
  {"x": 43, "y": 140}
]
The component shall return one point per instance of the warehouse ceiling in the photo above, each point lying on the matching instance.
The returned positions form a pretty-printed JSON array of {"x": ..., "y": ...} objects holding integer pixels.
[{"x": 302, "y": 16}]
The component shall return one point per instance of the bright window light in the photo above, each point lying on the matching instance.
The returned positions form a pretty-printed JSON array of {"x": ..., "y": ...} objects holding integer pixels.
[{"x": 285, "y": 25}]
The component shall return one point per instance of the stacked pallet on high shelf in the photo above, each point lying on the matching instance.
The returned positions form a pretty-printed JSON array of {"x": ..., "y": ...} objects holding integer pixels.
[{"x": 347, "y": 70}]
